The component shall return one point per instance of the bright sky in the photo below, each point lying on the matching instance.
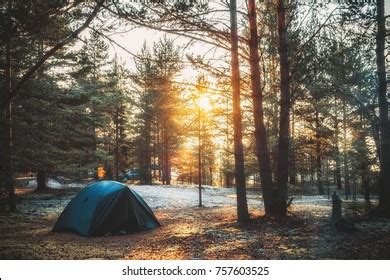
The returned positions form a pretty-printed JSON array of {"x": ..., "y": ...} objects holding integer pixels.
[{"x": 134, "y": 39}]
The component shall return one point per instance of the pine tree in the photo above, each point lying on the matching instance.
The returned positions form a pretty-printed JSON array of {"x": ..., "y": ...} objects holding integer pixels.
[
  {"x": 32, "y": 20},
  {"x": 49, "y": 134},
  {"x": 158, "y": 101}
]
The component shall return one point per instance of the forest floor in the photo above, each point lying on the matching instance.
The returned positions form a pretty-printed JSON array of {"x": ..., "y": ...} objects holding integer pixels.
[{"x": 189, "y": 232}]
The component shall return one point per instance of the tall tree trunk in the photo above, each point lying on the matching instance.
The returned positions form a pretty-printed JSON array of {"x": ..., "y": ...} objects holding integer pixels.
[
  {"x": 242, "y": 206},
  {"x": 200, "y": 177},
  {"x": 41, "y": 180},
  {"x": 318, "y": 155},
  {"x": 167, "y": 160},
  {"x": 338, "y": 160},
  {"x": 354, "y": 189},
  {"x": 365, "y": 183},
  {"x": 303, "y": 181},
  {"x": 7, "y": 118},
  {"x": 159, "y": 151},
  {"x": 155, "y": 151},
  {"x": 347, "y": 185},
  {"x": 262, "y": 151},
  {"x": 117, "y": 144},
  {"x": 338, "y": 171},
  {"x": 145, "y": 155},
  {"x": 3, "y": 186},
  {"x": 191, "y": 174},
  {"x": 211, "y": 175},
  {"x": 2, "y": 155},
  {"x": 312, "y": 163},
  {"x": 363, "y": 160},
  {"x": 284, "y": 119},
  {"x": 163, "y": 155},
  {"x": 326, "y": 179},
  {"x": 384, "y": 123},
  {"x": 293, "y": 170}
]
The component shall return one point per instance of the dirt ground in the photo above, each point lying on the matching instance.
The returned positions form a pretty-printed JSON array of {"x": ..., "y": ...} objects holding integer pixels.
[{"x": 193, "y": 233}]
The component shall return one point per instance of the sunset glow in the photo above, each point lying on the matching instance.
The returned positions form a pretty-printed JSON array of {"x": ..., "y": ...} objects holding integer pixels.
[{"x": 204, "y": 103}]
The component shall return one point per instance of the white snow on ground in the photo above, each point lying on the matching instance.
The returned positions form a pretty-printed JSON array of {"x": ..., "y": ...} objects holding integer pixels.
[
  {"x": 187, "y": 196},
  {"x": 51, "y": 183},
  {"x": 178, "y": 197},
  {"x": 168, "y": 197}
]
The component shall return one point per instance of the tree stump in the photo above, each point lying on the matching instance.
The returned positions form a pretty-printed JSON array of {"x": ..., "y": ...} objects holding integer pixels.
[
  {"x": 338, "y": 222},
  {"x": 336, "y": 209}
]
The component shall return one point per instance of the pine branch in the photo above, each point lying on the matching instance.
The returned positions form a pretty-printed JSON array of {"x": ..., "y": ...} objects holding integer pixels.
[{"x": 52, "y": 51}]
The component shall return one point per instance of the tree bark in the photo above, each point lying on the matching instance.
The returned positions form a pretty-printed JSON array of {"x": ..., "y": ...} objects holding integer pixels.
[
  {"x": 211, "y": 170},
  {"x": 168, "y": 151},
  {"x": 347, "y": 185},
  {"x": 336, "y": 209},
  {"x": 8, "y": 180},
  {"x": 293, "y": 170},
  {"x": 167, "y": 163},
  {"x": 200, "y": 177},
  {"x": 41, "y": 180},
  {"x": 145, "y": 154},
  {"x": 2, "y": 155},
  {"x": 337, "y": 156},
  {"x": 312, "y": 163},
  {"x": 117, "y": 144},
  {"x": 384, "y": 124},
  {"x": 242, "y": 205},
  {"x": 326, "y": 179},
  {"x": 284, "y": 119},
  {"x": 365, "y": 178},
  {"x": 364, "y": 168},
  {"x": 262, "y": 151},
  {"x": 318, "y": 155}
]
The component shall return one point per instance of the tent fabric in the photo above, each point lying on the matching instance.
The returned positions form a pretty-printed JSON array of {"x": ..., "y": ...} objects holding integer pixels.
[{"x": 106, "y": 207}]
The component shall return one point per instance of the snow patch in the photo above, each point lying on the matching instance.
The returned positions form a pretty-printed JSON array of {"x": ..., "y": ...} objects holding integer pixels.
[
  {"x": 54, "y": 184},
  {"x": 171, "y": 197}
]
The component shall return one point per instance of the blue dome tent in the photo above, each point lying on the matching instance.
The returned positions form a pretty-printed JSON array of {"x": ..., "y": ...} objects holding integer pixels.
[{"x": 106, "y": 207}]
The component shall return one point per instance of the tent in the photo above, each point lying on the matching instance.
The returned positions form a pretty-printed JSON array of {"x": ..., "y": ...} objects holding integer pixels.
[{"x": 106, "y": 207}]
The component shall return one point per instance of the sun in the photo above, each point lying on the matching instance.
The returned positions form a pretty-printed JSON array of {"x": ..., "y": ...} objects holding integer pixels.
[{"x": 204, "y": 103}]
